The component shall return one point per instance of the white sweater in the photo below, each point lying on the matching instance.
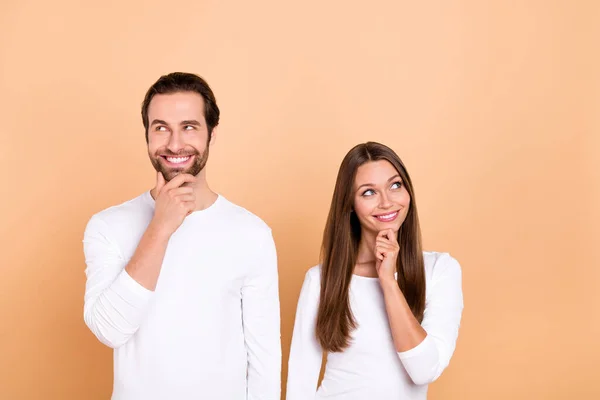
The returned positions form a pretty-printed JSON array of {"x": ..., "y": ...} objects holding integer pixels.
[
  {"x": 371, "y": 368},
  {"x": 211, "y": 329}
]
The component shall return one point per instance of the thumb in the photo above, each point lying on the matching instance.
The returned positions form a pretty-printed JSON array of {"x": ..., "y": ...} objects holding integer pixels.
[{"x": 160, "y": 182}]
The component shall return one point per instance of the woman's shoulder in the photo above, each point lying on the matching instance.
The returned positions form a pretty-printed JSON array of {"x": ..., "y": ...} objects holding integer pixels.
[
  {"x": 312, "y": 280},
  {"x": 439, "y": 265},
  {"x": 313, "y": 274}
]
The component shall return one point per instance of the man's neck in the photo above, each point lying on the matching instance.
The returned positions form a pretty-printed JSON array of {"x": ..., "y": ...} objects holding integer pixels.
[{"x": 205, "y": 196}]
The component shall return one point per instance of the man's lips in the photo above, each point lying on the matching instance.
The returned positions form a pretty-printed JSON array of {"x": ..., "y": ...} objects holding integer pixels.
[{"x": 177, "y": 160}]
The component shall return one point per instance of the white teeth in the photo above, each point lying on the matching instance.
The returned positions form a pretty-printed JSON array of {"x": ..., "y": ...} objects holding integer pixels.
[
  {"x": 387, "y": 216},
  {"x": 177, "y": 160}
]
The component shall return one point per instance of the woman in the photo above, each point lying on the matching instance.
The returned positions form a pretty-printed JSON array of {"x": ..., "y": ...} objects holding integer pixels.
[{"x": 385, "y": 312}]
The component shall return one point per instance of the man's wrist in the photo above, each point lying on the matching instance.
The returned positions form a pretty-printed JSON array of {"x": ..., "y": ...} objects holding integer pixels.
[{"x": 157, "y": 231}]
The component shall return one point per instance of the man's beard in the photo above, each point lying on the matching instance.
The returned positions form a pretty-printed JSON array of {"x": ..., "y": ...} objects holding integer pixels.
[{"x": 171, "y": 172}]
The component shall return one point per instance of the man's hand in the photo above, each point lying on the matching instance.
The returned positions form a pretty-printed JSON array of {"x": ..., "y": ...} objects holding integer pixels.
[{"x": 173, "y": 201}]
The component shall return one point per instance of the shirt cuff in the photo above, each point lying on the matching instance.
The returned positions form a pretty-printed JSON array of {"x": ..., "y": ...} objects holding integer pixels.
[
  {"x": 131, "y": 290},
  {"x": 417, "y": 350}
]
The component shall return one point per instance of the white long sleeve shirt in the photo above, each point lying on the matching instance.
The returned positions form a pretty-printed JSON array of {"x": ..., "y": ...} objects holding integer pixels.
[
  {"x": 210, "y": 329},
  {"x": 371, "y": 368}
]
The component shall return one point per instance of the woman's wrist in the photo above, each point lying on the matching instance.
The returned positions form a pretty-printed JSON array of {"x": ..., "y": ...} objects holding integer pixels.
[{"x": 388, "y": 282}]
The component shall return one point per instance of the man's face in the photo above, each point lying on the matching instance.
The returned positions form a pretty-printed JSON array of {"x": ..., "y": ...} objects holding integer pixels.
[{"x": 178, "y": 140}]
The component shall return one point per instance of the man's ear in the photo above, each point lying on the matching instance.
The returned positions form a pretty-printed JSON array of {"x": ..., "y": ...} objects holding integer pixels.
[{"x": 213, "y": 135}]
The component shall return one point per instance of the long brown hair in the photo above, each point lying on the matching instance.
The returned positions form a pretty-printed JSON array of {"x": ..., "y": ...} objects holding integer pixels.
[{"x": 339, "y": 251}]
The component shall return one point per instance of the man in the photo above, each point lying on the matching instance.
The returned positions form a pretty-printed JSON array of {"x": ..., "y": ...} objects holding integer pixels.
[{"x": 181, "y": 282}]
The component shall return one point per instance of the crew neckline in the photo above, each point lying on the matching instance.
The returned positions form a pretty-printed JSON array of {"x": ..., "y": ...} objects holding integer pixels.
[
  {"x": 370, "y": 278},
  {"x": 366, "y": 278},
  {"x": 150, "y": 200}
]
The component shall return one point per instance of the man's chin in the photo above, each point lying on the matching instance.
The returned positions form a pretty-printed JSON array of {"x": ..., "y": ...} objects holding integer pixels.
[{"x": 169, "y": 174}]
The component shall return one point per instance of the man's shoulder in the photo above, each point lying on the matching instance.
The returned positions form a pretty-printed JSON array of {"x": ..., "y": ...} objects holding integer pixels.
[
  {"x": 243, "y": 218},
  {"x": 126, "y": 213}
]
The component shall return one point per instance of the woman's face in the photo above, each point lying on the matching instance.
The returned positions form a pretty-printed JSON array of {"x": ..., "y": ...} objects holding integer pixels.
[{"x": 380, "y": 199}]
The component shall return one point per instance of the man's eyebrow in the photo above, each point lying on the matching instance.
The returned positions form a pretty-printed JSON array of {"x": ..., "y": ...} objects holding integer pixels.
[
  {"x": 190, "y": 122},
  {"x": 158, "y": 122}
]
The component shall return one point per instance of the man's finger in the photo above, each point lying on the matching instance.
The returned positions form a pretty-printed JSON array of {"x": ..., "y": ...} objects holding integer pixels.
[
  {"x": 160, "y": 181},
  {"x": 185, "y": 198},
  {"x": 191, "y": 206},
  {"x": 178, "y": 191},
  {"x": 180, "y": 180}
]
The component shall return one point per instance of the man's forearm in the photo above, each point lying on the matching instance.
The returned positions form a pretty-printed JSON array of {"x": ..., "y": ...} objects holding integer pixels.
[{"x": 147, "y": 260}]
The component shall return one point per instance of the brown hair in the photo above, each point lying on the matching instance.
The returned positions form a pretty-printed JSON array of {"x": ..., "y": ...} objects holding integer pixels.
[
  {"x": 183, "y": 82},
  {"x": 340, "y": 247}
]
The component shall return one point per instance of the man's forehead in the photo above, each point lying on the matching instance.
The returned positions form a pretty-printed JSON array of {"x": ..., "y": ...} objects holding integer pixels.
[{"x": 176, "y": 106}]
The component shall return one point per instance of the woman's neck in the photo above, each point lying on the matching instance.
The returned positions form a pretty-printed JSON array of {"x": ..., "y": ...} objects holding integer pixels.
[
  {"x": 365, "y": 259},
  {"x": 366, "y": 248}
]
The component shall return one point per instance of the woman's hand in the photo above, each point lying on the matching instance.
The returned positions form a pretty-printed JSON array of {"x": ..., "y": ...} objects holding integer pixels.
[{"x": 386, "y": 254}]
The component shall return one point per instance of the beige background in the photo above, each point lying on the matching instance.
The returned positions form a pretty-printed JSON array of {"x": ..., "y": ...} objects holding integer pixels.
[{"x": 493, "y": 105}]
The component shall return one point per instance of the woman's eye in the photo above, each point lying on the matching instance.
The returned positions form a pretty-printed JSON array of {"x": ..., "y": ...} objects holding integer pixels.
[
  {"x": 396, "y": 185},
  {"x": 368, "y": 192}
]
